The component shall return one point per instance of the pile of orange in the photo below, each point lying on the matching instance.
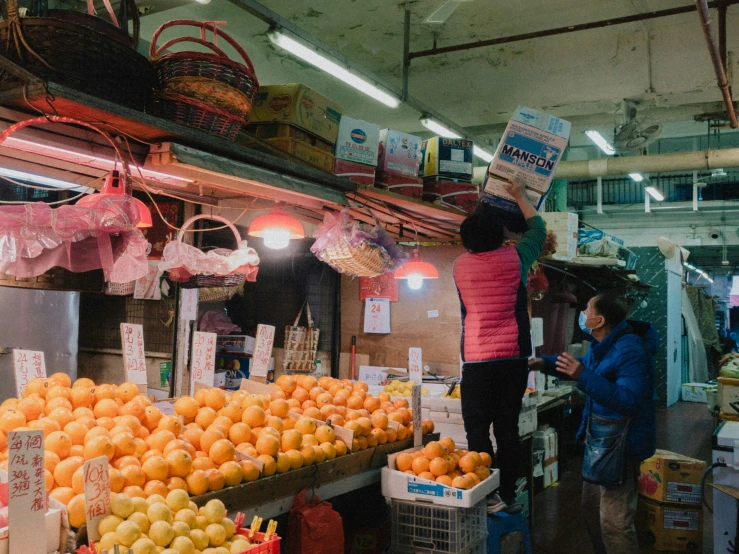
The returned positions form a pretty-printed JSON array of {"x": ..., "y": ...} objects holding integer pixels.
[
  {"x": 198, "y": 448},
  {"x": 442, "y": 462}
]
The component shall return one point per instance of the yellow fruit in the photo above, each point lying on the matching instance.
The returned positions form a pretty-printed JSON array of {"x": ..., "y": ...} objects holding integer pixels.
[
  {"x": 186, "y": 516},
  {"x": 329, "y": 450},
  {"x": 107, "y": 542},
  {"x": 128, "y": 533},
  {"x": 183, "y": 545},
  {"x": 161, "y": 533},
  {"x": 154, "y": 499},
  {"x": 144, "y": 546},
  {"x": 216, "y": 534},
  {"x": 141, "y": 520},
  {"x": 109, "y": 524},
  {"x": 181, "y": 529},
  {"x": 158, "y": 511},
  {"x": 214, "y": 511},
  {"x": 200, "y": 539},
  {"x": 121, "y": 505},
  {"x": 240, "y": 545}
]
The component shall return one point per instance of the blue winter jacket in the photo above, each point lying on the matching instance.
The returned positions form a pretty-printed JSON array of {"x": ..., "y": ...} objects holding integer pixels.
[{"x": 619, "y": 378}]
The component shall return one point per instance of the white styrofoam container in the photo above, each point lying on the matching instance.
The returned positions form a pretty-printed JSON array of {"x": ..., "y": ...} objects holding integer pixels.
[
  {"x": 53, "y": 522},
  {"x": 402, "y": 486},
  {"x": 567, "y": 221},
  {"x": 551, "y": 474},
  {"x": 425, "y": 413},
  {"x": 696, "y": 392}
]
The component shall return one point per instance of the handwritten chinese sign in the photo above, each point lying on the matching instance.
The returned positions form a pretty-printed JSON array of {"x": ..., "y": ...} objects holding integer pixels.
[
  {"x": 384, "y": 286},
  {"x": 189, "y": 304},
  {"x": 415, "y": 366},
  {"x": 203, "y": 365},
  {"x": 97, "y": 494},
  {"x": 377, "y": 315},
  {"x": 26, "y": 491},
  {"x": 262, "y": 351},
  {"x": 29, "y": 364},
  {"x": 416, "y": 408},
  {"x": 134, "y": 359}
]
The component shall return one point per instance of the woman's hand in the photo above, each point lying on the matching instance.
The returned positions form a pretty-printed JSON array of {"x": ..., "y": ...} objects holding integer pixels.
[
  {"x": 515, "y": 189},
  {"x": 569, "y": 365}
]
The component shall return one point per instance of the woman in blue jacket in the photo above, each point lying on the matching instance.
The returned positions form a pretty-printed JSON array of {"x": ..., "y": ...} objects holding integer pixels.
[{"x": 617, "y": 375}]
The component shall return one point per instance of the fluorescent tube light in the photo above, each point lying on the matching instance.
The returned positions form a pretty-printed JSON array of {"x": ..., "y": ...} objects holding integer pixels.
[
  {"x": 482, "y": 154},
  {"x": 654, "y": 193},
  {"x": 601, "y": 142},
  {"x": 44, "y": 181},
  {"x": 438, "y": 128},
  {"x": 636, "y": 177},
  {"x": 307, "y": 54}
]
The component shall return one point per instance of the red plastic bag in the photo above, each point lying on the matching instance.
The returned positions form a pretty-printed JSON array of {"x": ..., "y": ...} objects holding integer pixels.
[{"x": 314, "y": 527}]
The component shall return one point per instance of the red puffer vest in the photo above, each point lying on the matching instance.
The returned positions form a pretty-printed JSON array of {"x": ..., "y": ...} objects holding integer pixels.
[{"x": 495, "y": 321}]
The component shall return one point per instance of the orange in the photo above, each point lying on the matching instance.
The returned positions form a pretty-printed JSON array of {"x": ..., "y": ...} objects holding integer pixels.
[
  {"x": 371, "y": 404},
  {"x": 379, "y": 421},
  {"x": 83, "y": 382},
  {"x": 97, "y": 431},
  {"x": 283, "y": 463},
  {"x": 99, "y": 446},
  {"x": 222, "y": 451},
  {"x": 291, "y": 440},
  {"x": 222, "y": 423},
  {"x": 383, "y": 397},
  {"x": 62, "y": 494},
  {"x": 354, "y": 402},
  {"x": 427, "y": 475},
  {"x": 249, "y": 470},
  {"x": 380, "y": 435},
  {"x": 232, "y": 410},
  {"x": 341, "y": 448},
  {"x": 64, "y": 470},
  {"x": 278, "y": 394},
  {"x": 155, "y": 468},
  {"x": 83, "y": 412},
  {"x": 61, "y": 415},
  {"x": 239, "y": 433},
  {"x": 300, "y": 394},
  {"x": 320, "y": 454},
  {"x": 473, "y": 478},
  {"x": 329, "y": 450},
  {"x": 59, "y": 443},
  {"x": 105, "y": 392},
  {"x": 34, "y": 386},
  {"x": 287, "y": 383},
  {"x": 180, "y": 463},
  {"x": 305, "y": 425},
  {"x": 192, "y": 434},
  {"x": 106, "y": 422},
  {"x": 133, "y": 408},
  {"x": 444, "y": 480},
  {"x": 197, "y": 482},
  {"x": 420, "y": 465},
  {"x": 57, "y": 392},
  {"x": 31, "y": 407},
  {"x": 267, "y": 444},
  {"x": 106, "y": 408},
  {"x": 336, "y": 420},
  {"x": 132, "y": 422},
  {"x": 128, "y": 391},
  {"x": 62, "y": 378},
  {"x": 482, "y": 472},
  {"x": 270, "y": 465},
  {"x": 170, "y": 423},
  {"x": 295, "y": 459},
  {"x": 325, "y": 433},
  {"x": 134, "y": 491},
  {"x": 187, "y": 407},
  {"x": 77, "y": 450},
  {"x": 232, "y": 473},
  {"x": 216, "y": 480},
  {"x": 116, "y": 480},
  {"x": 253, "y": 416},
  {"x": 309, "y": 455},
  {"x": 11, "y": 420},
  {"x": 392, "y": 434},
  {"x": 124, "y": 444},
  {"x": 215, "y": 398},
  {"x": 476, "y": 458},
  {"x": 279, "y": 408},
  {"x": 133, "y": 476},
  {"x": 428, "y": 426},
  {"x": 451, "y": 462},
  {"x": 202, "y": 463},
  {"x": 205, "y": 417},
  {"x": 176, "y": 483},
  {"x": 179, "y": 444},
  {"x": 209, "y": 438},
  {"x": 467, "y": 464},
  {"x": 152, "y": 415},
  {"x": 159, "y": 439},
  {"x": 150, "y": 454},
  {"x": 433, "y": 450},
  {"x": 487, "y": 461},
  {"x": 365, "y": 424},
  {"x": 403, "y": 462},
  {"x": 49, "y": 480},
  {"x": 78, "y": 481},
  {"x": 155, "y": 487},
  {"x": 76, "y": 510},
  {"x": 402, "y": 432},
  {"x": 438, "y": 466},
  {"x": 120, "y": 463},
  {"x": 448, "y": 443},
  {"x": 200, "y": 396},
  {"x": 50, "y": 460}
]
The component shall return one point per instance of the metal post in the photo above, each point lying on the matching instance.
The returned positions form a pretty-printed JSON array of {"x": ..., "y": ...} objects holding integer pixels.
[
  {"x": 406, "y": 51},
  {"x": 695, "y": 191},
  {"x": 646, "y": 202},
  {"x": 599, "y": 192}
]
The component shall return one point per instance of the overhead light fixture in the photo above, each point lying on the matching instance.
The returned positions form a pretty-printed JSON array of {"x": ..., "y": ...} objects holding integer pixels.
[
  {"x": 416, "y": 270},
  {"x": 307, "y": 54},
  {"x": 114, "y": 186},
  {"x": 276, "y": 228},
  {"x": 636, "y": 177},
  {"x": 482, "y": 154},
  {"x": 438, "y": 128},
  {"x": 654, "y": 193},
  {"x": 601, "y": 142},
  {"x": 41, "y": 180}
]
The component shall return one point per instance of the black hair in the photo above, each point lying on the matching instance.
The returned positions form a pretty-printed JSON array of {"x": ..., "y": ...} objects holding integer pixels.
[
  {"x": 611, "y": 307},
  {"x": 481, "y": 233}
]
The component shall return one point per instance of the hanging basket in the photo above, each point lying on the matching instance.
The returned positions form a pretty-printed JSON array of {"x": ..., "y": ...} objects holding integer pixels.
[
  {"x": 365, "y": 260},
  {"x": 192, "y": 268}
]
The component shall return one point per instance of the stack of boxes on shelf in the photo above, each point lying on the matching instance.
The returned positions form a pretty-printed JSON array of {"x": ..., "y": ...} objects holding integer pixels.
[
  {"x": 357, "y": 149},
  {"x": 564, "y": 225},
  {"x": 546, "y": 448},
  {"x": 299, "y": 121},
  {"x": 446, "y": 168},
  {"x": 669, "y": 513},
  {"x": 399, "y": 161}
]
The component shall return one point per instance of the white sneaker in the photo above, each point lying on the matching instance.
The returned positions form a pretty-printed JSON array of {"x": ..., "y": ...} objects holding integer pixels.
[{"x": 497, "y": 504}]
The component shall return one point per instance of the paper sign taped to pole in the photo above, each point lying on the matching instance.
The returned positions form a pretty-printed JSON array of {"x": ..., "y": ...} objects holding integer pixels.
[{"x": 28, "y": 364}]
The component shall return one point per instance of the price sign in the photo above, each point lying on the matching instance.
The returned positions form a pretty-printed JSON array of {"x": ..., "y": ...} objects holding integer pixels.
[
  {"x": 417, "y": 425},
  {"x": 26, "y": 491},
  {"x": 97, "y": 494},
  {"x": 28, "y": 364},
  {"x": 189, "y": 304},
  {"x": 203, "y": 364},
  {"x": 415, "y": 365},
  {"x": 262, "y": 351},
  {"x": 134, "y": 359},
  {"x": 377, "y": 315}
]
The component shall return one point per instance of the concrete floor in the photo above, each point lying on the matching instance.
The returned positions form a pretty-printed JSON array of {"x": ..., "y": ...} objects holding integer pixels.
[{"x": 685, "y": 428}]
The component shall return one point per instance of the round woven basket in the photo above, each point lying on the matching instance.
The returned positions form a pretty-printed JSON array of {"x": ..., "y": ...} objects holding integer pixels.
[
  {"x": 197, "y": 113},
  {"x": 364, "y": 260},
  {"x": 213, "y": 92}
]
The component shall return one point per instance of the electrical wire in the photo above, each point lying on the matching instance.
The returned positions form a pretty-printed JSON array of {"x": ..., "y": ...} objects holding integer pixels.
[
  {"x": 39, "y": 187},
  {"x": 709, "y": 469}
]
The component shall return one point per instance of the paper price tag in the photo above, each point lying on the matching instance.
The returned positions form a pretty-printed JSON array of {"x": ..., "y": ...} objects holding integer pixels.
[
  {"x": 134, "y": 358},
  {"x": 26, "y": 491},
  {"x": 262, "y": 351},
  {"x": 417, "y": 425},
  {"x": 189, "y": 304},
  {"x": 28, "y": 365},
  {"x": 240, "y": 456},
  {"x": 97, "y": 494},
  {"x": 415, "y": 365},
  {"x": 203, "y": 364}
]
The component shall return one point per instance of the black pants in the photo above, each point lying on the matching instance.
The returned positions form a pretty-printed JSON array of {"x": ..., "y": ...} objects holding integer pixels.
[{"x": 492, "y": 392}]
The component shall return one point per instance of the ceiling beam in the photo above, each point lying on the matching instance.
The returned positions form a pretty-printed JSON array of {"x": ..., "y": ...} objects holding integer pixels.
[{"x": 566, "y": 30}]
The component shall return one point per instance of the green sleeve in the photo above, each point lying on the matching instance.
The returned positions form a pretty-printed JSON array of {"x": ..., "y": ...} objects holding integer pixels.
[{"x": 530, "y": 245}]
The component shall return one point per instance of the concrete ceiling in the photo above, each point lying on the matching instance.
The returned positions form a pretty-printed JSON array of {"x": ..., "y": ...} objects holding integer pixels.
[{"x": 582, "y": 77}]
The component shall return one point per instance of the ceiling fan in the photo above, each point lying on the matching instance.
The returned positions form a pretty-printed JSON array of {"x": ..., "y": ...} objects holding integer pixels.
[{"x": 443, "y": 12}]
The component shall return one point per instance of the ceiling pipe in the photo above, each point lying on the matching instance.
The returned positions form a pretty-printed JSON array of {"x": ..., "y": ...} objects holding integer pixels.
[{"x": 718, "y": 64}]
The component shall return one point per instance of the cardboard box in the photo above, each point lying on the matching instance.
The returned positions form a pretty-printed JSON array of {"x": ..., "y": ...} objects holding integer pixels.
[
  {"x": 551, "y": 473},
  {"x": 696, "y": 392},
  {"x": 309, "y": 154},
  {"x": 357, "y": 173},
  {"x": 400, "y": 184},
  {"x": 670, "y": 477},
  {"x": 451, "y": 194},
  {"x": 446, "y": 157},
  {"x": 402, "y": 486},
  {"x": 241, "y": 344},
  {"x": 728, "y": 394},
  {"x": 527, "y": 422},
  {"x": 358, "y": 141},
  {"x": 298, "y": 105},
  {"x": 529, "y": 152},
  {"x": 546, "y": 440},
  {"x": 399, "y": 153},
  {"x": 282, "y": 130},
  {"x": 667, "y": 527}
]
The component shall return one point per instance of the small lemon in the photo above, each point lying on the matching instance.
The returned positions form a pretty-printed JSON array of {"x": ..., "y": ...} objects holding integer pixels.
[
  {"x": 216, "y": 534},
  {"x": 128, "y": 533},
  {"x": 159, "y": 512},
  {"x": 177, "y": 500},
  {"x": 161, "y": 533},
  {"x": 144, "y": 546},
  {"x": 181, "y": 529},
  {"x": 109, "y": 524},
  {"x": 199, "y": 539},
  {"x": 121, "y": 505}
]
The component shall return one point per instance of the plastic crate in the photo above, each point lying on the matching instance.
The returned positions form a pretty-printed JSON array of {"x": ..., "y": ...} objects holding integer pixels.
[
  {"x": 272, "y": 546},
  {"x": 434, "y": 529}
]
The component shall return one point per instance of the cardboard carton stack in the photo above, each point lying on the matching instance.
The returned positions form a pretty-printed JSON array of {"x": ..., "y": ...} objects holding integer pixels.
[
  {"x": 446, "y": 168},
  {"x": 564, "y": 225},
  {"x": 547, "y": 440},
  {"x": 669, "y": 514},
  {"x": 297, "y": 120},
  {"x": 356, "y": 151},
  {"x": 399, "y": 160}
]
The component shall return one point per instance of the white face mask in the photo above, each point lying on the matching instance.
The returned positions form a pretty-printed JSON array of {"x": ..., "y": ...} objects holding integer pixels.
[{"x": 583, "y": 324}]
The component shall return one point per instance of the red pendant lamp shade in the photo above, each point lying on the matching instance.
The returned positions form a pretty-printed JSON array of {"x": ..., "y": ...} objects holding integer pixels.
[
  {"x": 115, "y": 186},
  {"x": 277, "y": 228},
  {"x": 416, "y": 267}
]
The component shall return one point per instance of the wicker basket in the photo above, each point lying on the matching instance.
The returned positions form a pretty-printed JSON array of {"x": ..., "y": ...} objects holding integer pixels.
[
  {"x": 120, "y": 289},
  {"x": 364, "y": 260},
  {"x": 197, "y": 113},
  {"x": 208, "y": 90},
  {"x": 216, "y": 294},
  {"x": 57, "y": 278},
  {"x": 80, "y": 51}
]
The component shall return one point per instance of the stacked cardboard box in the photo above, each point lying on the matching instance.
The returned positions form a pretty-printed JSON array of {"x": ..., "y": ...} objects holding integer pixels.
[
  {"x": 547, "y": 440},
  {"x": 357, "y": 149},
  {"x": 564, "y": 225},
  {"x": 446, "y": 168},
  {"x": 669, "y": 514},
  {"x": 398, "y": 163},
  {"x": 298, "y": 120}
]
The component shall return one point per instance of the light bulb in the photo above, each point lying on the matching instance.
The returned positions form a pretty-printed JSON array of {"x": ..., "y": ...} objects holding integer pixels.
[
  {"x": 277, "y": 238},
  {"x": 415, "y": 281},
  {"x": 643, "y": 304}
]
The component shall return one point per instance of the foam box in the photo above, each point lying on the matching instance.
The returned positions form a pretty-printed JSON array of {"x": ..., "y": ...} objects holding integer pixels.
[
  {"x": 53, "y": 526},
  {"x": 242, "y": 344},
  {"x": 696, "y": 392},
  {"x": 402, "y": 486},
  {"x": 358, "y": 141}
]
